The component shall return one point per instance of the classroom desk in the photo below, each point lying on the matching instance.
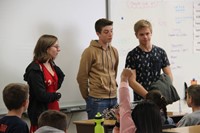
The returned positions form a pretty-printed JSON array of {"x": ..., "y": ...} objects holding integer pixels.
[
  {"x": 176, "y": 116},
  {"x": 88, "y": 125},
  {"x": 189, "y": 129}
]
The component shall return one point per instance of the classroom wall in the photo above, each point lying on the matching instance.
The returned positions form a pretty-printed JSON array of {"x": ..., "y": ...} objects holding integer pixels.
[
  {"x": 176, "y": 28},
  {"x": 22, "y": 22}
]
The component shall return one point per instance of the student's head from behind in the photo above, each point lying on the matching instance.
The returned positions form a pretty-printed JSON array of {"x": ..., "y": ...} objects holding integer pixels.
[
  {"x": 15, "y": 96},
  {"x": 104, "y": 30},
  {"x": 47, "y": 48},
  {"x": 193, "y": 96},
  {"x": 54, "y": 119},
  {"x": 157, "y": 98},
  {"x": 147, "y": 118}
]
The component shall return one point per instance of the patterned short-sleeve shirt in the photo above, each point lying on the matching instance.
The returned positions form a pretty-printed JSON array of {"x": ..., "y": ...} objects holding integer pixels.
[{"x": 148, "y": 65}]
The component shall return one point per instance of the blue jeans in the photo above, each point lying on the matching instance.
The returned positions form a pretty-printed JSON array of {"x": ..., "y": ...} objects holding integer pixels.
[{"x": 94, "y": 105}]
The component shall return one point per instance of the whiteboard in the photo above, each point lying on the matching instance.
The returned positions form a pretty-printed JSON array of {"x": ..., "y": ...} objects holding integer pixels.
[
  {"x": 24, "y": 21},
  {"x": 176, "y": 28}
]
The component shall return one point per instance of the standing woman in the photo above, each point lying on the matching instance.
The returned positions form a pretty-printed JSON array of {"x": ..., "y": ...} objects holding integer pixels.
[{"x": 44, "y": 79}]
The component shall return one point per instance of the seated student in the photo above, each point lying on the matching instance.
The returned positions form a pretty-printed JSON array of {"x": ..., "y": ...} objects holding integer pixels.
[
  {"x": 160, "y": 101},
  {"x": 16, "y": 99},
  {"x": 52, "y": 121},
  {"x": 193, "y": 101},
  {"x": 145, "y": 117}
]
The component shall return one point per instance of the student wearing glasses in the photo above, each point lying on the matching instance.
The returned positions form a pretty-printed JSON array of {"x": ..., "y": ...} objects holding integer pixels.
[{"x": 44, "y": 78}]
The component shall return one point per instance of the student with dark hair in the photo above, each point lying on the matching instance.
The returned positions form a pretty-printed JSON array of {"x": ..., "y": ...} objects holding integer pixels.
[
  {"x": 145, "y": 117},
  {"x": 160, "y": 101},
  {"x": 98, "y": 70},
  {"x": 16, "y": 99},
  {"x": 44, "y": 78},
  {"x": 52, "y": 121},
  {"x": 193, "y": 101}
]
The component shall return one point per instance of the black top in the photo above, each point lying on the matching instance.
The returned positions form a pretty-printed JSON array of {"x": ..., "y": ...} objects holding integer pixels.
[
  {"x": 39, "y": 97},
  {"x": 13, "y": 124},
  {"x": 148, "y": 65}
]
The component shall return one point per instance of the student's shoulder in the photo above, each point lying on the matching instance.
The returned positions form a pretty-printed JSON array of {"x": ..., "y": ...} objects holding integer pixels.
[
  {"x": 15, "y": 124},
  {"x": 11, "y": 119},
  {"x": 190, "y": 116},
  {"x": 92, "y": 49},
  {"x": 114, "y": 50},
  {"x": 89, "y": 51},
  {"x": 155, "y": 47},
  {"x": 135, "y": 50},
  {"x": 194, "y": 114},
  {"x": 189, "y": 119},
  {"x": 33, "y": 66}
]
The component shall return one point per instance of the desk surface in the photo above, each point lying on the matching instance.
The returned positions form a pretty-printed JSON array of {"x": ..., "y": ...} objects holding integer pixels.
[
  {"x": 88, "y": 126},
  {"x": 112, "y": 122},
  {"x": 189, "y": 129},
  {"x": 176, "y": 114},
  {"x": 91, "y": 122}
]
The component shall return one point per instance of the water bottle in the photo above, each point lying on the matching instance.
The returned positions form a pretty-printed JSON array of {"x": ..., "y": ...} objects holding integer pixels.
[{"x": 99, "y": 123}]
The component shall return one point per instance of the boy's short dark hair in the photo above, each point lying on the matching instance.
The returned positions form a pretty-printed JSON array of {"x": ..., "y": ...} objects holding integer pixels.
[
  {"x": 102, "y": 23},
  {"x": 194, "y": 92},
  {"x": 53, "y": 118},
  {"x": 15, "y": 94}
]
